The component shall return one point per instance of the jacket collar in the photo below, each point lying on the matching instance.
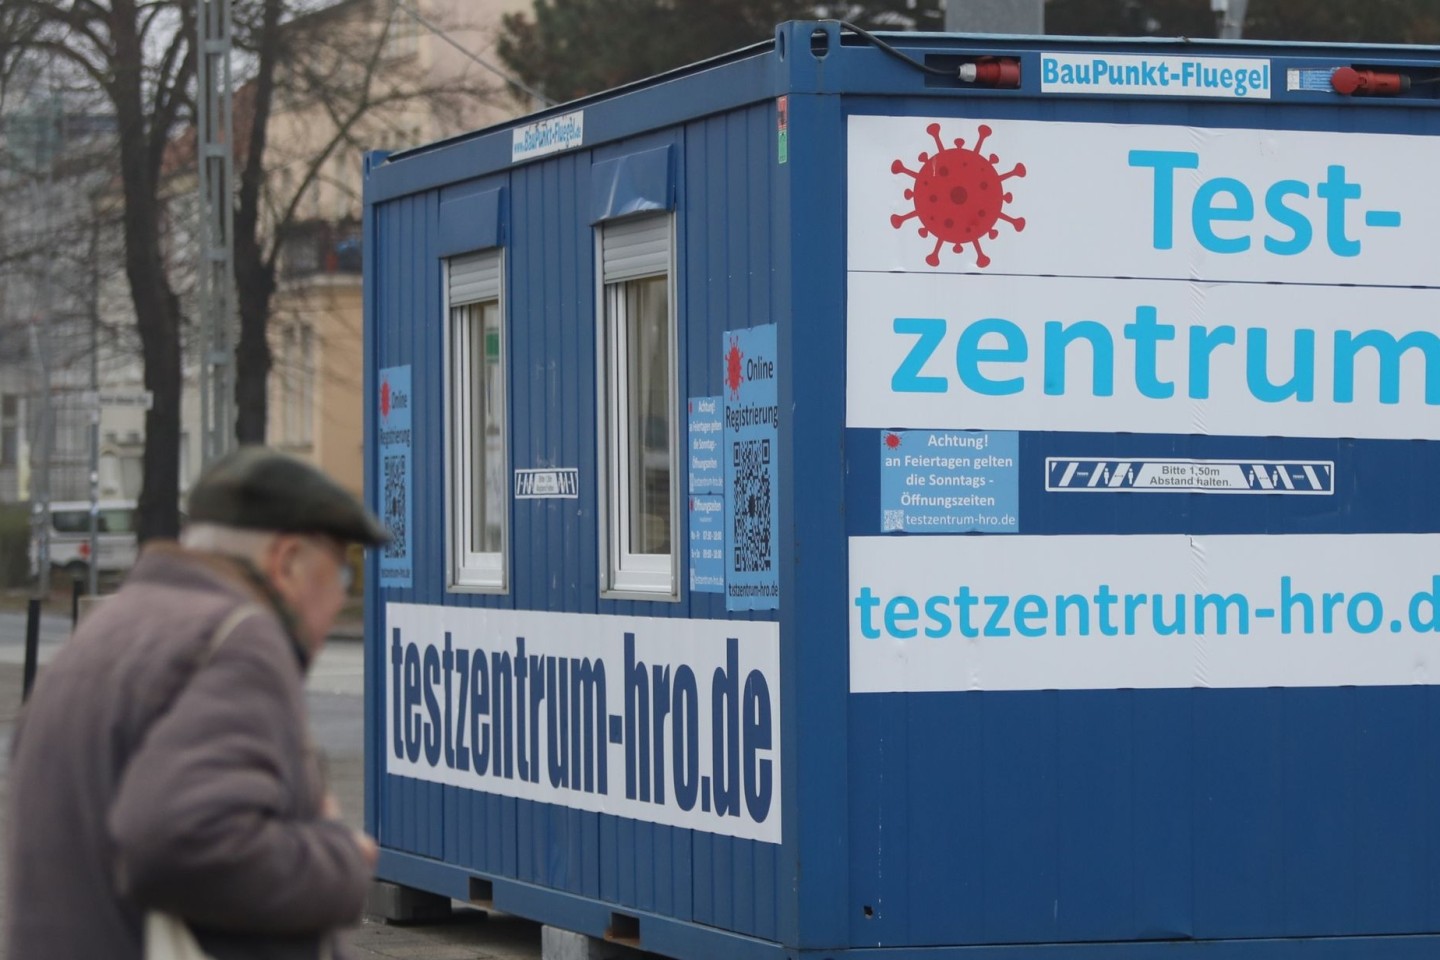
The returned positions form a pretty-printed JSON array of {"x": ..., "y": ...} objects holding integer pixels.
[{"x": 239, "y": 576}]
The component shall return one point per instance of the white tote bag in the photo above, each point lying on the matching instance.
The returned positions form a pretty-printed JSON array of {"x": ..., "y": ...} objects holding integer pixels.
[{"x": 168, "y": 938}]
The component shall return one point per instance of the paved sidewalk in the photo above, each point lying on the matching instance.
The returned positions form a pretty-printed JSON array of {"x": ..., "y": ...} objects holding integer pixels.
[{"x": 469, "y": 935}]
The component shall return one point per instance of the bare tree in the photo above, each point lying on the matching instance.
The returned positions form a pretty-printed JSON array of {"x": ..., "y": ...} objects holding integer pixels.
[
  {"x": 347, "y": 69},
  {"x": 334, "y": 64},
  {"x": 138, "y": 54},
  {"x": 48, "y": 171}
]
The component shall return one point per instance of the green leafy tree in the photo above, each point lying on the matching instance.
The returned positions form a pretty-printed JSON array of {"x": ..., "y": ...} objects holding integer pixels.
[
  {"x": 1374, "y": 21},
  {"x": 570, "y": 48}
]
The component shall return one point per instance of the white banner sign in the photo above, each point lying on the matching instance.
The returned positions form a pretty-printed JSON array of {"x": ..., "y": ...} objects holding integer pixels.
[
  {"x": 668, "y": 721},
  {"x": 561, "y": 483},
  {"x": 1146, "y": 356},
  {"x": 544, "y": 137},
  {"x": 134, "y": 399},
  {"x": 1227, "y": 78},
  {"x": 934, "y": 614},
  {"x": 1137, "y": 200}
]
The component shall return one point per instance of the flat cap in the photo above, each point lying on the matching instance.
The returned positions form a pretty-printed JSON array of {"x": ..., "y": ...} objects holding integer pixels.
[{"x": 256, "y": 488}]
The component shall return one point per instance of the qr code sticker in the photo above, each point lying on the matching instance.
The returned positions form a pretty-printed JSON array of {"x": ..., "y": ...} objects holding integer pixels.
[
  {"x": 751, "y": 496},
  {"x": 893, "y": 520},
  {"x": 394, "y": 501}
]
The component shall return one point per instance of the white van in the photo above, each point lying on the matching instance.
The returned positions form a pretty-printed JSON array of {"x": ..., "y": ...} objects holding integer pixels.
[{"x": 70, "y": 537}]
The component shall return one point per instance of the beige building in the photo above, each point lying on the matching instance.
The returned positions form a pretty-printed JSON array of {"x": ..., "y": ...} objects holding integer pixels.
[
  {"x": 316, "y": 406},
  {"x": 424, "y": 90},
  {"x": 415, "y": 87}
]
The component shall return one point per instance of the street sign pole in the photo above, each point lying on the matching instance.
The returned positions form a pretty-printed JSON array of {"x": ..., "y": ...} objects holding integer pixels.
[{"x": 216, "y": 149}]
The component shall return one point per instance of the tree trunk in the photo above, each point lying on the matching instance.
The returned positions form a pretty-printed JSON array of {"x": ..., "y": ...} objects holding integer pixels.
[
  {"x": 157, "y": 311},
  {"x": 157, "y": 316},
  {"x": 254, "y": 271},
  {"x": 255, "y": 283},
  {"x": 160, "y": 347}
]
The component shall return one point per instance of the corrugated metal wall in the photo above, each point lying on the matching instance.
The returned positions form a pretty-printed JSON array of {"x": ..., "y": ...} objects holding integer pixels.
[
  {"x": 725, "y": 283},
  {"x": 929, "y": 819},
  {"x": 1054, "y": 816}
]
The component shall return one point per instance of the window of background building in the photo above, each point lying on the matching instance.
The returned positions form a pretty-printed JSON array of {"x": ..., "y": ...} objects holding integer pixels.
[
  {"x": 638, "y": 407},
  {"x": 296, "y": 368},
  {"x": 477, "y": 438},
  {"x": 402, "y": 38},
  {"x": 287, "y": 384},
  {"x": 307, "y": 385},
  {"x": 9, "y": 430}
]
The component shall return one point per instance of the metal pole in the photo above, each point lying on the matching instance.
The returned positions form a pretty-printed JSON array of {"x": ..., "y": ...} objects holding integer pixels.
[
  {"x": 40, "y": 469},
  {"x": 41, "y": 452},
  {"x": 32, "y": 647},
  {"x": 1229, "y": 18},
  {"x": 216, "y": 158},
  {"x": 93, "y": 571},
  {"x": 1232, "y": 20},
  {"x": 995, "y": 16}
]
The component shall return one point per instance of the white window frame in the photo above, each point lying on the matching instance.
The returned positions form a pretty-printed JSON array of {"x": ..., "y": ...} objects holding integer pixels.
[
  {"x": 638, "y": 249},
  {"x": 470, "y": 570}
]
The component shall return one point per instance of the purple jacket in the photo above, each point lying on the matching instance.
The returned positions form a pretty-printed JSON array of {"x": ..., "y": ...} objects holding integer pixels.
[{"x": 135, "y": 785}]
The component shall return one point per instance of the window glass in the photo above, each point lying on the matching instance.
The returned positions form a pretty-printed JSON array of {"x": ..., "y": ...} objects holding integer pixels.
[
  {"x": 479, "y": 492},
  {"x": 9, "y": 430},
  {"x": 638, "y": 387},
  {"x": 647, "y": 317},
  {"x": 486, "y": 422},
  {"x": 117, "y": 521},
  {"x": 70, "y": 521}
]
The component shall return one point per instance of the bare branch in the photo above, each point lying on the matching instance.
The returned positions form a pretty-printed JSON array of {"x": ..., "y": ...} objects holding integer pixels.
[
  {"x": 445, "y": 36},
  {"x": 170, "y": 87},
  {"x": 149, "y": 16},
  {"x": 97, "y": 12},
  {"x": 342, "y": 127},
  {"x": 49, "y": 13},
  {"x": 252, "y": 173},
  {"x": 341, "y": 73},
  {"x": 95, "y": 72}
]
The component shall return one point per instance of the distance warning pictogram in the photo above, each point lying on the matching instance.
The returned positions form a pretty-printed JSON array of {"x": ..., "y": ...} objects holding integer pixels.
[
  {"x": 958, "y": 196},
  {"x": 1117, "y": 475}
]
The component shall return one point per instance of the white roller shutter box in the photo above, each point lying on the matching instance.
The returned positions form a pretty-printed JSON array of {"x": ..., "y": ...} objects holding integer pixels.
[
  {"x": 636, "y": 248},
  {"x": 475, "y": 277}
]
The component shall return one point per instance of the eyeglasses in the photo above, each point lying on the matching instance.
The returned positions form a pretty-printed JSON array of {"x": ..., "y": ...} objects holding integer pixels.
[{"x": 343, "y": 569}]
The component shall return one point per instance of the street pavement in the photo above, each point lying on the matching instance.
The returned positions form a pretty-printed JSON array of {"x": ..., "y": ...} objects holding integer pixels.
[{"x": 338, "y": 723}]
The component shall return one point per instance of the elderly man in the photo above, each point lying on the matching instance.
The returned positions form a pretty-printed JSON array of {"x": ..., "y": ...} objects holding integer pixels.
[{"x": 163, "y": 762}]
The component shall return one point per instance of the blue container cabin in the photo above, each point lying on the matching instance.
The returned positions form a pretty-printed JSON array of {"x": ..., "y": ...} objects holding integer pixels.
[{"x": 965, "y": 499}]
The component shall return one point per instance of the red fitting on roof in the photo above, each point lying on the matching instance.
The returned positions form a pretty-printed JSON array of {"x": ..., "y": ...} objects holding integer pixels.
[
  {"x": 1349, "y": 81},
  {"x": 992, "y": 72}
]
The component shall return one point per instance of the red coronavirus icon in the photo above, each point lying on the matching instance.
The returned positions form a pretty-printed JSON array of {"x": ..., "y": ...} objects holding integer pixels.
[
  {"x": 385, "y": 398},
  {"x": 892, "y": 440},
  {"x": 958, "y": 196},
  {"x": 733, "y": 367}
]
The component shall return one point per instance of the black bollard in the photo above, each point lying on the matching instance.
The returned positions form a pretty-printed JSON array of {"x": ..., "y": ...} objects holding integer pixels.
[
  {"x": 77, "y": 587},
  {"x": 32, "y": 647}
]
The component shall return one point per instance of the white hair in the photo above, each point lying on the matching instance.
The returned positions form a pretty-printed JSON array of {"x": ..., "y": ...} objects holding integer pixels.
[{"x": 226, "y": 541}]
